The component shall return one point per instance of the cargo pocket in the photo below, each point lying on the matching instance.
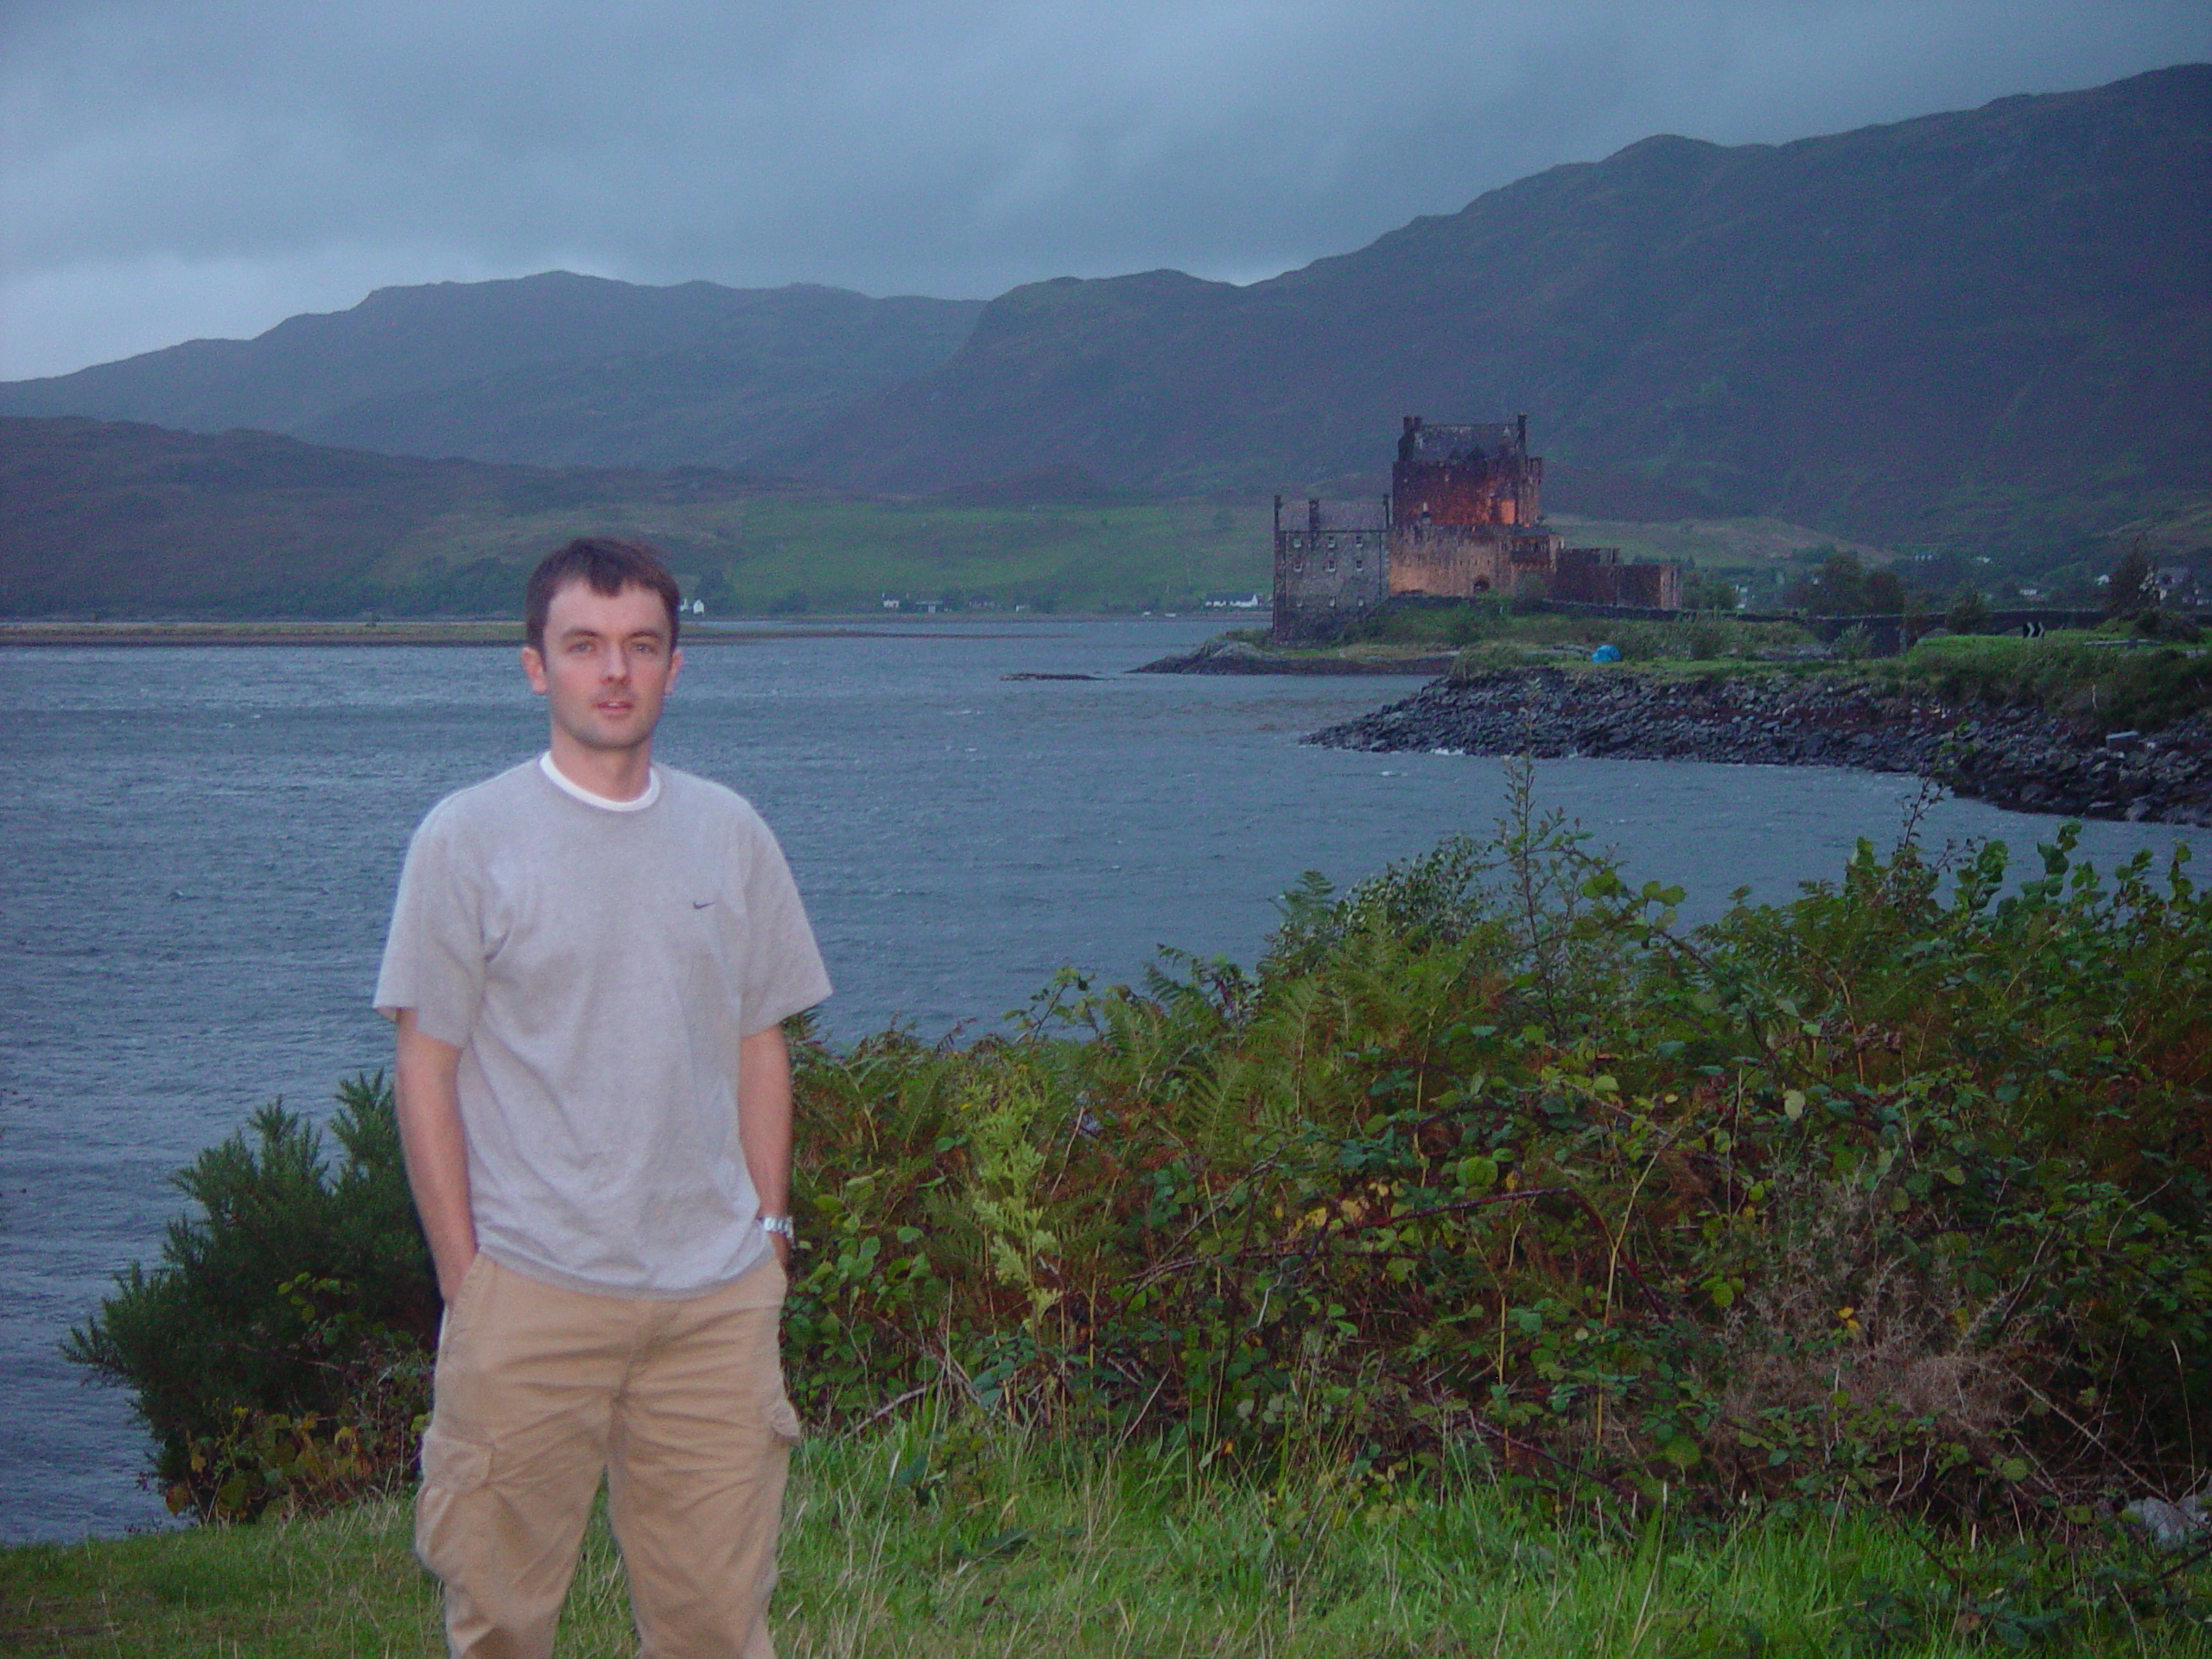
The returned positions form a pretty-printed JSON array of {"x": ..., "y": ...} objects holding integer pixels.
[{"x": 449, "y": 1524}]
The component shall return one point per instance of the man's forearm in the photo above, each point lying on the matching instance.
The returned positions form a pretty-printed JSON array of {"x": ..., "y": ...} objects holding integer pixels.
[
  {"x": 426, "y": 1089},
  {"x": 764, "y": 1121}
]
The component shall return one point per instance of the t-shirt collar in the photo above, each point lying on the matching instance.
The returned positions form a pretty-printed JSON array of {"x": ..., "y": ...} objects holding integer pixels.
[{"x": 569, "y": 785}]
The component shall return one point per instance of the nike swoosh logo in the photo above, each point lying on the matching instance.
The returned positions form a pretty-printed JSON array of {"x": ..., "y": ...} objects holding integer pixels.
[{"x": 701, "y": 904}]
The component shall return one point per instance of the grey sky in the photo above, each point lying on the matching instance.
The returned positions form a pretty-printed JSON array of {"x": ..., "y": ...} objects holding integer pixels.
[{"x": 177, "y": 167}]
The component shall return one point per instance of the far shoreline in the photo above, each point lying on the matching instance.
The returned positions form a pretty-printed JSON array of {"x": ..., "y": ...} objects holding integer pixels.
[{"x": 486, "y": 632}]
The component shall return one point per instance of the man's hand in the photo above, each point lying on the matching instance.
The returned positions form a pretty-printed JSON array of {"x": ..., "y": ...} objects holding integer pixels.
[
  {"x": 425, "y": 1087},
  {"x": 763, "y": 1124}
]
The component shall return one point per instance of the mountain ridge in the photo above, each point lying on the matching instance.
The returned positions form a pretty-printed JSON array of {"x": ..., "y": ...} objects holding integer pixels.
[
  {"x": 1952, "y": 328},
  {"x": 528, "y": 370},
  {"x": 1981, "y": 330}
]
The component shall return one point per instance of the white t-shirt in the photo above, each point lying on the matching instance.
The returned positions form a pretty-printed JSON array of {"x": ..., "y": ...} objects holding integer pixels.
[{"x": 598, "y": 968}]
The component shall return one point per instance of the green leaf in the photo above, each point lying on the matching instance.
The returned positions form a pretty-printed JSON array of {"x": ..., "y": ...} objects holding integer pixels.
[{"x": 913, "y": 1471}]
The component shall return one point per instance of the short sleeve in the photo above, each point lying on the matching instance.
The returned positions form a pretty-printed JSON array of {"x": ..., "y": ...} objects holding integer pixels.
[
  {"x": 433, "y": 956},
  {"x": 783, "y": 971}
]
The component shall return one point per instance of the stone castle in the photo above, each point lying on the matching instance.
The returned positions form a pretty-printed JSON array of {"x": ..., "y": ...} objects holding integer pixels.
[{"x": 1463, "y": 519}]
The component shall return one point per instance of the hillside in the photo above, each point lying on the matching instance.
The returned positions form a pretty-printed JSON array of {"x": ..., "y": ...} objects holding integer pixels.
[
  {"x": 110, "y": 519},
  {"x": 101, "y": 517},
  {"x": 1988, "y": 331},
  {"x": 1971, "y": 327},
  {"x": 554, "y": 369}
]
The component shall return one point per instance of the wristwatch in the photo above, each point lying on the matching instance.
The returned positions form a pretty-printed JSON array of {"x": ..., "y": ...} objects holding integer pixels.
[{"x": 781, "y": 1225}]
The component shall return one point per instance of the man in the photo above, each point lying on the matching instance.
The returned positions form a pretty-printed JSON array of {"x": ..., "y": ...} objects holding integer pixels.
[{"x": 589, "y": 960}]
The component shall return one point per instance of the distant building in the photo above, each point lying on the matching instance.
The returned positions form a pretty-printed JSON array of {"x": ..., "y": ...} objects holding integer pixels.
[
  {"x": 1464, "y": 518},
  {"x": 2177, "y": 584}
]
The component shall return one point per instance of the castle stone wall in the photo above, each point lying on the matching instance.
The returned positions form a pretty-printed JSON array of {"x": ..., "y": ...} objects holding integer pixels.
[{"x": 1331, "y": 561}]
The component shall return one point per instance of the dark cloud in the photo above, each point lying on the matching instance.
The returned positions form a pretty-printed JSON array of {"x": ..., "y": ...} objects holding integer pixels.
[{"x": 172, "y": 167}]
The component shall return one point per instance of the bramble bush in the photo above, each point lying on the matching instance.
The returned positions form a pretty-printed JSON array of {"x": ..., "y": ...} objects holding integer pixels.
[{"x": 1895, "y": 1193}]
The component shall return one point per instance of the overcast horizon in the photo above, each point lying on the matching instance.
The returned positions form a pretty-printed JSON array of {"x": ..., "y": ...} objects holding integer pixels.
[{"x": 168, "y": 174}]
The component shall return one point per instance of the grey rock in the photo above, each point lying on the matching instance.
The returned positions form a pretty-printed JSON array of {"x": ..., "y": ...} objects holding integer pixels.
[{"x": 2171, "y": 1526}]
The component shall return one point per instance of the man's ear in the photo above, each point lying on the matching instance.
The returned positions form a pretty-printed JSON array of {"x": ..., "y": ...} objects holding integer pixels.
[
  {"x": 675, "y": 667},
  {"x": 533, "y": 668}
]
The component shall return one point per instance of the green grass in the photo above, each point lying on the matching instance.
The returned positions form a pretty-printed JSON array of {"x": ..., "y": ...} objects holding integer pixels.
[
  {"x": 1004, "y": 1545},
  {"x": 2104, "y": 679},
  {"x": 1489, "y": 635},
  {"x": 791, "y": 552}
]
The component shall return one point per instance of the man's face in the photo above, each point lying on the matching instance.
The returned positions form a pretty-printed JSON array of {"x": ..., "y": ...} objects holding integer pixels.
[{"x": 607, "y": 665}]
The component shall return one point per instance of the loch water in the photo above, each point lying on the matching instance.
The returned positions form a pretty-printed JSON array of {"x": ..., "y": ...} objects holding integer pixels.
[{"x": 198, "y": 846}]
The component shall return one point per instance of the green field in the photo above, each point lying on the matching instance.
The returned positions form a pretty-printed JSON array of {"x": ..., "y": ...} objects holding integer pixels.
[{"x": 791, "y": 554}]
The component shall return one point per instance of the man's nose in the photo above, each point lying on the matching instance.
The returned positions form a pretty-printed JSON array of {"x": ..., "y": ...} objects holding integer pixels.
[{"x": 615, "y": 666}]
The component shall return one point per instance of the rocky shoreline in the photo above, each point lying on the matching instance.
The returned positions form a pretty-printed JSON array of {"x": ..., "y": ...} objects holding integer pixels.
[
  {"x": 1236, "y": 657},
  {"x": 2018, "y": 758}
]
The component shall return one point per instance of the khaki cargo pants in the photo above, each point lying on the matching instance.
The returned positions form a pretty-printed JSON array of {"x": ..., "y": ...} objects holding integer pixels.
[{"x": 538, "y": 1389}]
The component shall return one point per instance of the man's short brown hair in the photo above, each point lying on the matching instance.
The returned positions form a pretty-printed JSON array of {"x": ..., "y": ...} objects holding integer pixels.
[{"x": 610, "y": 566}]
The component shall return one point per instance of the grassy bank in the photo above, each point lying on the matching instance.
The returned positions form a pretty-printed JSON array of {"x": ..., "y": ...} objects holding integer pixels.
[
  {"x": 1487, "y": 636},
  {"x": 2102, "y": 681},
  {"x": 952, "y": 1540},
  {"x": 1509, "y": 636},
  {"x": 2109, "y": 678}
]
